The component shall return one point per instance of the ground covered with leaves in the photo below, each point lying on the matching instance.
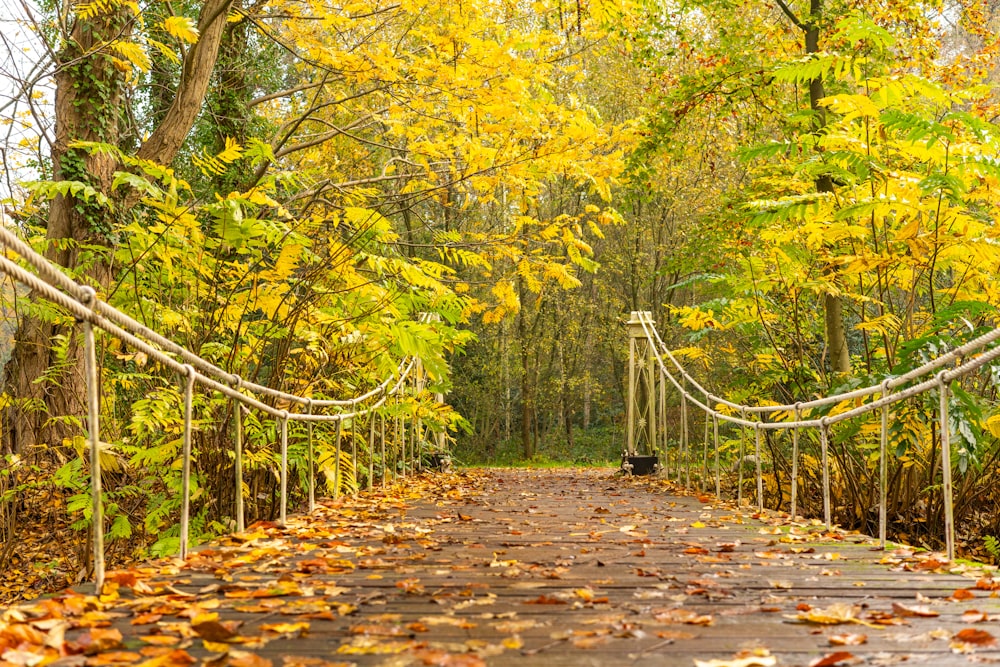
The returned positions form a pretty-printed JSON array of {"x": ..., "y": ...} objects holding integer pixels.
[{"x": 528, "y": 567}]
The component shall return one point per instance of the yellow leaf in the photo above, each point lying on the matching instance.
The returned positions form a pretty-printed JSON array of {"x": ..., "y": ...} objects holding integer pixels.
[{"x": 182, "y": 28}]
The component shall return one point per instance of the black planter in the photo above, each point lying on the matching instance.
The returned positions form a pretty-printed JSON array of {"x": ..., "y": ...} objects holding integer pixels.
[{"x": 640, "y": 465}]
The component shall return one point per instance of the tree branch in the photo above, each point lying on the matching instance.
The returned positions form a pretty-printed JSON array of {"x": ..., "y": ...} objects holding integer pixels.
[{"x": 791, "y": 15}]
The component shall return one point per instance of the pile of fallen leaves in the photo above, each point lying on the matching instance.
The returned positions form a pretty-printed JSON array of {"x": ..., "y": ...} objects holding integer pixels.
[
  {"x": 43, "y": 553},
  {"x": 171, "y": 610}
]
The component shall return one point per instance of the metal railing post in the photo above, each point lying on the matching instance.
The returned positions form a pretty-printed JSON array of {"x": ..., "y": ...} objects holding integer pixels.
[
  {"x": 238, "y": 456},
  {"x": 663, "y": 424},
  {"x": 381, "y": 421},
  {"x": 338, "y": 451},
  {"x": 685, "y": 436},
  {"x": 309, "y": 455},
  {"x": 824, "y": 443},
  {"x": 704, "y": 457},
  {"x": 284, "y": 467},
  {"x": 189, "y": 374},
  {"x": 354, "y": 455},
  {"x": 630, "y": 408},
  {"x": 371, "y": 450},
  {"x": 946, "y": 484},
  {"x": 760, "y": 471},
  {"x": 396, "y": 440},
  {"x": 795, "y": 463},
  {"x": 739, "y": 478},
  {"x": 883, "y": 464},
  {"x": 718, "y": 470},
  {"x": 94, "y": 435}
]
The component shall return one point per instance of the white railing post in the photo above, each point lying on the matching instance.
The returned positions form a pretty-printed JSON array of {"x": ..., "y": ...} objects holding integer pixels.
[
  {"x": 338, "y": 451},
  {"x": 946, "y": 485},
  {"x": 641, "y": 409},
  {"x": 663, "y": 424},
  {"x": 381, "y": 422},
  {"x": 685, "y": 436},
  {"x": 189, "y": 374},
  {"x": 704, "y": 456},
  {"x": 718, "y": 470},
  {"x": 354, "y": 456},
  {"x": 238, "y": 456},
  {"x": 94, "y": 435},
  {"x": 371, "y": 450},
  {"x": 739, "y": 478},
  {"x": 760, "y": 471},
  {"x": 824, "y": 443},
  {"x": 309, "y": 454},
  {"x": 795, "y": 462},
  {"x": 283, "y": 420},
  {"x": 883, "y": 463}
]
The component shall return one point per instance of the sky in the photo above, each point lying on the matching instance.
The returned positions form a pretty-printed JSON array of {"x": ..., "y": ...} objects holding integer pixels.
[{"x": 24, "y": 78}]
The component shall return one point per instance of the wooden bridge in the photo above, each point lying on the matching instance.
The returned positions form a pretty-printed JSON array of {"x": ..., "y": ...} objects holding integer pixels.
[
  {"x": 512, "y": 567},
  {"x": 533, "y": 567}
]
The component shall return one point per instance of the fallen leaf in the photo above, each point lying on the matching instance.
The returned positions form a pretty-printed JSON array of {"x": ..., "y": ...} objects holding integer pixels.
[
  {"x": 835, "y": 614},
  {"x": 215, "y": 631},
  {"x": 766, "y": 660},
  {"x": 835, "y": 660},
  {"x": 975, "y": 636},
  {"x": 113, "y": 657},
  {"x": 247, "y": 659},
  {"x": 545, "y": 599},
  {"x": 974, "y": 616},
  {"x": 921, "y": 611},
  {"x": 848, "y": 639}
]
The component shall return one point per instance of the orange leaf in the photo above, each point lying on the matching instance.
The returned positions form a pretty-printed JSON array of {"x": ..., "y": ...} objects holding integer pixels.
[{"x": 975, "y": 636}]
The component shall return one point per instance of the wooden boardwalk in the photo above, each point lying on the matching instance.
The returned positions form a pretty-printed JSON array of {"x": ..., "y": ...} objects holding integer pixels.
[{"x": 536, "y": 567}]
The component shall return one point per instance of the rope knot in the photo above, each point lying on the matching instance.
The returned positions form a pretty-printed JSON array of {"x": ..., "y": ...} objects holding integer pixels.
[
  {"x": 88, "y": 295},
  {"x": 236, "y": 381}
]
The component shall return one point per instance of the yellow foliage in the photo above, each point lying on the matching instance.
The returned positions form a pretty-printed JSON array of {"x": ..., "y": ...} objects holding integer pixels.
[{"x": 181, "y": 27}]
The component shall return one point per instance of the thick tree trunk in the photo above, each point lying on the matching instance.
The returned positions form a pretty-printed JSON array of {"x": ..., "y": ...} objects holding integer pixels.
[
  {"x": 87, "y": 108},
  {"x": 44, "y": 377}
]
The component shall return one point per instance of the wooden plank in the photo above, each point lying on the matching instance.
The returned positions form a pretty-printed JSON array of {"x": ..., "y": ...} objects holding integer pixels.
[{"x": 557, "y": 567}]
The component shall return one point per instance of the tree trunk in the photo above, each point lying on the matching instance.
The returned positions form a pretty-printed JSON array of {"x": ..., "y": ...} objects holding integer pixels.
[
  {"x": 836, "y": 339},
  {"x": 88, "y": 105},
  {"x": 527, "y": 444}
]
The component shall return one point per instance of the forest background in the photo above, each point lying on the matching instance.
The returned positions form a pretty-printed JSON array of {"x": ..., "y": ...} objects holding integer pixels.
[{"x": 803, "y": 194}]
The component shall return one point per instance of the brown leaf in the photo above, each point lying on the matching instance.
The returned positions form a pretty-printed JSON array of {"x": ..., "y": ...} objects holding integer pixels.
[
  {"x": 247, "y": 659},
  {"x": 848, "y": 639},
  {"x": 112, "y": 657},
  {"x": 835, "y": 660},
  {"x": 215, "y": 631},
  {"x": 590, "y": 642},
  {"x": 100, "y": 639},
  {"x": 963, "y": 594},
  {"x": 975, "y": 636},
  {"x": 545, "y": 599},
  {"x": 921, "y": 611},
  {"x": 146, "y": 619},
  {"x": 160, "y": 640},
  {"x": 439, "y": 658}
]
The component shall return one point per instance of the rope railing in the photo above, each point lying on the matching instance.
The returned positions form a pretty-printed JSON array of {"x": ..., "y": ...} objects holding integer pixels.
[
  {"x": 50, "y": 283},
  {"x": 941, "y": 381}
]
